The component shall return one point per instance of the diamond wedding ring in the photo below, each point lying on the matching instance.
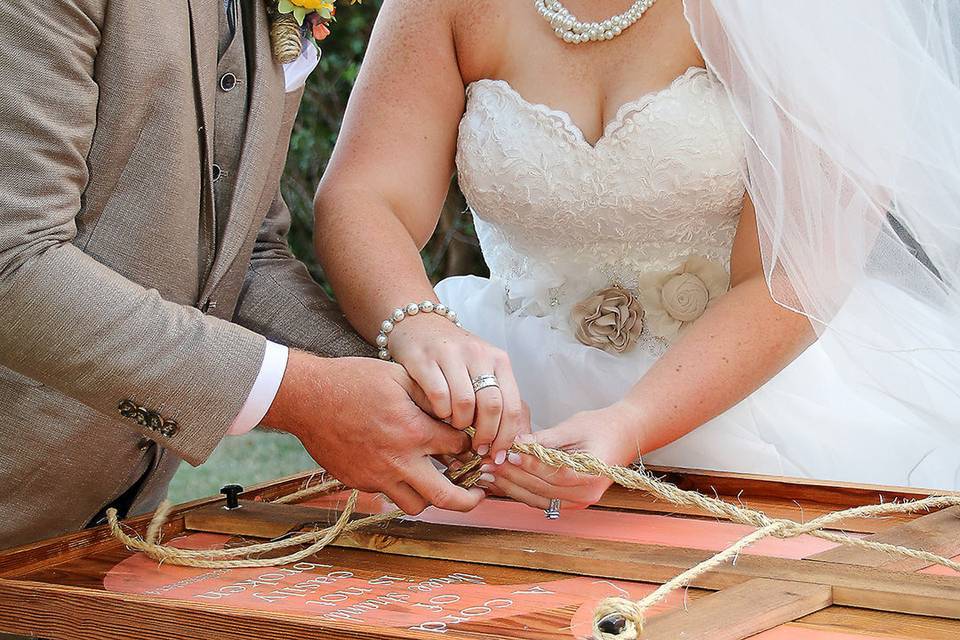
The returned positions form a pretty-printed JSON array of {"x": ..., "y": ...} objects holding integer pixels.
[{"x": 484, "y": 381}]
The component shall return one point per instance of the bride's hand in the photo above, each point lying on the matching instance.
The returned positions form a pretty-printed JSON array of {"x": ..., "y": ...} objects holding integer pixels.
[
  {"x": 444, "y": 360},
  {"x": 610, "y": 434}
]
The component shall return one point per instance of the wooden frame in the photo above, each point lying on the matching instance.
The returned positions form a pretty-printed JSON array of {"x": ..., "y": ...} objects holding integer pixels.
[{"x": 50, "y": 589}]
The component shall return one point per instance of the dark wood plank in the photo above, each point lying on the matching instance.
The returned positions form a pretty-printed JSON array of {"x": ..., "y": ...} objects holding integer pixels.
[
  {"x": 798, "y": 510},
  {"x": 258, "y": 519},
  {"x": 936, "y": 532},
  {"x": 750, "y": 486},
  {"x": 740, "y": 612},
  {"x": 879, "y": 624}
]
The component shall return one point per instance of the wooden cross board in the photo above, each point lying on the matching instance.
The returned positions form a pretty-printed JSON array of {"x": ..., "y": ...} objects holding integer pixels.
[{"x": 502, "y": 571}]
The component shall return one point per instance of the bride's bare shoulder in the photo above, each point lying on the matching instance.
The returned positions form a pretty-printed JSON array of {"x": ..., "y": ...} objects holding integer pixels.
[
  {"x": 450, "y": 13},
  {"x": 479, "y": 35},
  {"x": 475, "y": 28}
]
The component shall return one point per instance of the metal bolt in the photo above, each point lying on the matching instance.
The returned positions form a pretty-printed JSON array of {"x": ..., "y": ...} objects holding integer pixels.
[{"x": 232, "y": 492}]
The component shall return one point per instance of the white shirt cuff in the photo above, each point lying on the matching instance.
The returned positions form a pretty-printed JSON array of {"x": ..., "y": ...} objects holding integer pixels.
[{"x": 264, "y": 389}]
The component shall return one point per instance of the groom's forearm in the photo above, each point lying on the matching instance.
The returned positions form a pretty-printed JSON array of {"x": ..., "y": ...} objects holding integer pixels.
[{"x": 80, "y": 328}]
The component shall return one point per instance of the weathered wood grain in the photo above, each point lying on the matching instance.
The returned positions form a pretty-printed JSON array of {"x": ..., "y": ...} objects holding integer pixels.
[
  {"x": 936, "y": 532},
  {"x": 54, "y": 589},
  {"x": 257, "y": 519},
  {"x": 741, "y": 611}
]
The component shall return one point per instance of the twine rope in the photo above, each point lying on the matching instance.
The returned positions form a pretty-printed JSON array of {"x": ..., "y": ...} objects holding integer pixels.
[{"x": 629, "y": 614}]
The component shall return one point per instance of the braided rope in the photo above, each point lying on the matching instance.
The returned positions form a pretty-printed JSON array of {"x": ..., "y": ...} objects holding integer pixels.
[{"x": 614, "y": 618}]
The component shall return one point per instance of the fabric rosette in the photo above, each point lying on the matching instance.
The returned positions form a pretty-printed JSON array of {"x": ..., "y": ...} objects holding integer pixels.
[
  {"x": 673, "y": 300},
  {"x": 611, "y": 319}
]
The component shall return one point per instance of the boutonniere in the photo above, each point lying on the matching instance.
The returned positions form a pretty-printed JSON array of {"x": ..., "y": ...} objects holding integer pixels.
[{"x": 295, "y": 21}]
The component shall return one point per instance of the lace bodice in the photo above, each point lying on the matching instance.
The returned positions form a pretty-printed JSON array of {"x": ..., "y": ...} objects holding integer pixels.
[{"x": 558, "y": 217}]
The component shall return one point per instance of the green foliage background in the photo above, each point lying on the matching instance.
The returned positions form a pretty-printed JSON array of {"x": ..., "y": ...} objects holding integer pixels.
[{"x": 453, "y": 249}]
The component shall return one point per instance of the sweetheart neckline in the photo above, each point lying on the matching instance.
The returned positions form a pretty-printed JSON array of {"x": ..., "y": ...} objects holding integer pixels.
[{"x": 617, "y": 120}]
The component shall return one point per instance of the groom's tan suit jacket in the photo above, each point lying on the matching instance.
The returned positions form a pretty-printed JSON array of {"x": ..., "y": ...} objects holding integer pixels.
[{"x": 143, "y": 253}]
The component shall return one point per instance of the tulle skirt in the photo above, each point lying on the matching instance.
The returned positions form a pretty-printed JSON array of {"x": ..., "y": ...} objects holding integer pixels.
[{"x": 809, "y": 421}]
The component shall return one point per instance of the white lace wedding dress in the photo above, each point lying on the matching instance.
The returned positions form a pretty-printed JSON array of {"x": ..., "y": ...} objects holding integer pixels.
[{"x": 560, "y": 219}]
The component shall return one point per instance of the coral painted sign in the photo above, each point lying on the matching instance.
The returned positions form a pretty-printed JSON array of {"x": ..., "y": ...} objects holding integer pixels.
[
  {"x": 437, "y": 604},
  {"x": 441, "y": 604}
]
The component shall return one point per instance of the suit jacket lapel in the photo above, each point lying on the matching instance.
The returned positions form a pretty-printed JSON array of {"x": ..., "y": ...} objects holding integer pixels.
[
  {"x": 205, "y": 28},
  {"x": 205, "y": 21},
  {"x": 263, "y": 128}
]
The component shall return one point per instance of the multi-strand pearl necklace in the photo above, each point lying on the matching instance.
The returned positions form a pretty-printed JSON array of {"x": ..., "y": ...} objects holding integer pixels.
[{"x": 571, "y": 30}]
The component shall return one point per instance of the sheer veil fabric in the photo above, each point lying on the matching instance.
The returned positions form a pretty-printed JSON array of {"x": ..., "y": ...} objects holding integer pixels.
[{"x": 852, "y": 115}]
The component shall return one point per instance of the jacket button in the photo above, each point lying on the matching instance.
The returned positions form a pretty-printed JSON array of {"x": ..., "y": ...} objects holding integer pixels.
[
  {"x": 169, "y": 428},
  {"x": 228, "y": 82},
  {"x": 142, "y": 416},
  {"x": 154, "y": 421},
  {"x": 217, "y": 172},
  {"x": 127, "y": 409}
]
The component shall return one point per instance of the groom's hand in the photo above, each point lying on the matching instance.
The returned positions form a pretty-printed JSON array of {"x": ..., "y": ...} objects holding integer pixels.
[{"x": 358, "y": 419}]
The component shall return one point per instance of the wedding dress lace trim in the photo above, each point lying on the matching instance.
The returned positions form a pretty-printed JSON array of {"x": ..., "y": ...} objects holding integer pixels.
[{"x": 566, "y": 121}]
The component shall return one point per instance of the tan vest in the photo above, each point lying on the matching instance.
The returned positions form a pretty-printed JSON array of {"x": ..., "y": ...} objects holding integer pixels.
[{"x": 230, "y": 110}]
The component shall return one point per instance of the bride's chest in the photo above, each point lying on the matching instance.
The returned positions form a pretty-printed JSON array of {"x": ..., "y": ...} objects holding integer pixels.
[{"x": 668, "y": 163}]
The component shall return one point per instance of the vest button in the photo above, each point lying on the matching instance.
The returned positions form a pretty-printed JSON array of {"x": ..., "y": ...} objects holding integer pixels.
[
  {"x": 228, "y": 82},
  {"x": 217, "y": 173}
]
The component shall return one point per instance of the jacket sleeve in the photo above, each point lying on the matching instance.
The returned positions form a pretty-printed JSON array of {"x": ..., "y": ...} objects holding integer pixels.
[
  {"x": 66, "y": 320},
  {"x": 283, "y": 302}
]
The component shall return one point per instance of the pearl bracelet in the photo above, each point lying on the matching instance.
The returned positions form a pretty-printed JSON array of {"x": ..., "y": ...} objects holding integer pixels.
[{"x": 412, "y": 309}]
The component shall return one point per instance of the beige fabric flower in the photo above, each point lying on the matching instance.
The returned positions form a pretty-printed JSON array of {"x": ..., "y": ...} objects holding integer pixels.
[
  {"x": 611, "y": 319},
  {"x": 675, "y": 299}
]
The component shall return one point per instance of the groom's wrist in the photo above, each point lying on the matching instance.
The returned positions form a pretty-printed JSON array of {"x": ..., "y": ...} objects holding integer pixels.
[
  {"x": 264, "y": 390},
  {"x": 303, "y": 375}
]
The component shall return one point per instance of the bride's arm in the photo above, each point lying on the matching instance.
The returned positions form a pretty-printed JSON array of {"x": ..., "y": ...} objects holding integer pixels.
[
  {"x": 742, "y": 341},
  {"x": 379, "y": 202}
]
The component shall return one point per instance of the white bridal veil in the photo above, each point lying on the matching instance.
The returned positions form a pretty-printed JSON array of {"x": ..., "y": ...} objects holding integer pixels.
[{"x": 852, "y": 114}]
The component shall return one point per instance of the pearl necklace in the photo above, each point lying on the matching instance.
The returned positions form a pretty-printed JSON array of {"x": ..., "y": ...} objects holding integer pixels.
[{"x": 571, "y": 30}]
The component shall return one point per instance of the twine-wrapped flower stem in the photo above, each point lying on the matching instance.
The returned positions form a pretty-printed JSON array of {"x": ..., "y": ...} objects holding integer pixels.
[
  {"x": 614, "y": 618},
  {"x": 286, "y": 38}
]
